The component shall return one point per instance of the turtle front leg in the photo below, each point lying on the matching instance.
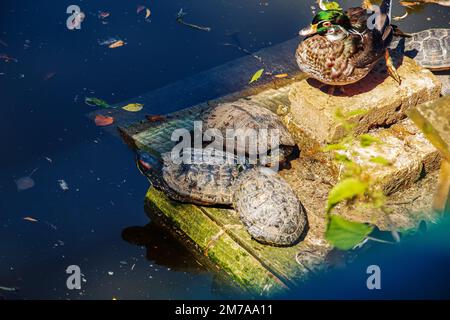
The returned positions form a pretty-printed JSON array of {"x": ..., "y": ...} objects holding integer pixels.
[{"x": 391, "y": 68}]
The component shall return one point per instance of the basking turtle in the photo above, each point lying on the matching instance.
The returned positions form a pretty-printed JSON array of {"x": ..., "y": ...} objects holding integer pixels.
[
  {"x": 243, "y": 119},
  {"x": 194, "y": 178},
  {"x": 268, "y": 207},
  {"x": 429, "y": 48}
]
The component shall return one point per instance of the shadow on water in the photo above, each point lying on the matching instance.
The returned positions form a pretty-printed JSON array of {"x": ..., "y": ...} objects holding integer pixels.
[{"x": 162, "y": 248}]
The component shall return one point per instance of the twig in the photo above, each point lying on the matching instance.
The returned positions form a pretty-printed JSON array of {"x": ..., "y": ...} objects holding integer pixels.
[
  {"x": 403, "y": 202},
  {"x": 380, "y": 240},
  {"x": 243, "y": 50},
  {"x": 180, "y": 20}
]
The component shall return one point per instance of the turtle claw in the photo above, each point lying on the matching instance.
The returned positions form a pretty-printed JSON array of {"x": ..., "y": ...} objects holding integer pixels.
[{"x": 391, "y": 68}]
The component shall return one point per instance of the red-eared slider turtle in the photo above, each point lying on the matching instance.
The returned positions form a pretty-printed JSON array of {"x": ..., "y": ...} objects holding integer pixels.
[
  {"x": 429, "y": 48},
  {"x": 245, "y": 119},
  {"x": 195, "y": 178},
  {"x": 268, "y": 207}
]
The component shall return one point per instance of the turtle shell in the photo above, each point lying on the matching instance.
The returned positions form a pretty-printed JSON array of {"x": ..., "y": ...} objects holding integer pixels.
[
  {"x": 268, "y": 207},
  {"x": 246, "y": 118},
  {"x": 200, "y": 179},
  {"x": 429, "y": 48}
]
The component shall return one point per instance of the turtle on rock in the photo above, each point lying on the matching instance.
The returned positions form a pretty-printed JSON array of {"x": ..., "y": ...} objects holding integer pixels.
[
  {"x": 244, "y": 118},
  {"x": 267, "y": 205}
]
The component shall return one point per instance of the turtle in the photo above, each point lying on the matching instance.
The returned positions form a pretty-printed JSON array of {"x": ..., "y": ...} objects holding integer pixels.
[
  {"x": 266, "y": 204},
  {"x": 429, "y": 48},
  {"x": 194, "y": 177},
  {"x": 269, "y": 208},
  {"x": 241, "y": 119}
]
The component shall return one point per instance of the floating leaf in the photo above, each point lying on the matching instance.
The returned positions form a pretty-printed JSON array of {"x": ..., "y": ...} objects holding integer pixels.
[
  {"x": 116, "y": 44},
  {"x": 147, "y": 13},
  {"x": 257, "y": 75},
  {"x": 344, "y": 190},
  {"x": 345, "y": 234},
  {"x": 63, "y": 185},
  {"x": 30, "y": 219},
  {"x": 96, "y": 102},
  {"x": 281, "y": 76},
  {"x": 49, "y": 75},
  {"x": 104, "y": 14},
  {"x": 366, "y": 140},
  {"x": 103, "y": 121},
  {"x": 139, "y": 9},
  {"x": 133, "y": 107},
  {"x": 380, "y": 160},
  {"x": 24, "y": 183}
]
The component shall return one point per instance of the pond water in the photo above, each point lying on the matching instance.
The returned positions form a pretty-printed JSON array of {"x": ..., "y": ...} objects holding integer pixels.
[{"x": 99, "y": 223}]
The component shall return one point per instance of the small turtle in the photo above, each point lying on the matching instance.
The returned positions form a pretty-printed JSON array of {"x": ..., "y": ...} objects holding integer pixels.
[
  {"x": 267, "y": 205},
  {"x": 244, "y": 119},
  {"x": 269, "y": 208},
  {"x": 195, "y": 178},
  {"x": 429, "y": 48}
]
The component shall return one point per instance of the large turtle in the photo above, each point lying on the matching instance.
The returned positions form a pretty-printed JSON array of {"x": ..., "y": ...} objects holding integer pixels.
[
  {"x": 429, "y": 48},
  {"x": 268, "y": 207},
  {"x": 195, "y": 178},
  {"x": 244, "y": 119},
  {"x": 266, "y": 203}
]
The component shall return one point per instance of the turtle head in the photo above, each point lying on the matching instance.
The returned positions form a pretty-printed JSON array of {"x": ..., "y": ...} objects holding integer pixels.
[
  {"x": 325, "y": 20},
  {"x": 149, "y": 166}
]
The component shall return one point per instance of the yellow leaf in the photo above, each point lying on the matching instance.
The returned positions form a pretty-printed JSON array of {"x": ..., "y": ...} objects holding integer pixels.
[
  {"x": 116, "y": 44},
  {"x": 147, "y": 13},
  {"x": 133, "y": 107},
  {"x": 257, "y": 75},
  {"x": 282, "y": 75}
]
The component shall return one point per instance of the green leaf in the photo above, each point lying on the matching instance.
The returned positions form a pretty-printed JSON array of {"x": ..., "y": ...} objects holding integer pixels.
[
  {"x": 332, "y": 6},
  {"x": 367, "y": 140},
  {"x": 345, "y": 234},
  {"x": 346, "y": 189},
  {"x": 257, "y": 75},
  {"x": 380, "y": 160},
  {"x": 96, "y": 102}
]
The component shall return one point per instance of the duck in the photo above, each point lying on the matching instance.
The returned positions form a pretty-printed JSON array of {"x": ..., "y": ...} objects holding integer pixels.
[{"x": 342, "y": 47}]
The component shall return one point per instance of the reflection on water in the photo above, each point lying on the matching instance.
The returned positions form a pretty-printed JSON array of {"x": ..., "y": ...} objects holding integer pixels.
[{"x": 162, "y": 248}]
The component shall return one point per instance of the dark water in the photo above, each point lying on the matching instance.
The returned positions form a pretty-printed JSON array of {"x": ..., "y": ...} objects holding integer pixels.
[{"x": 99, "y": 223}]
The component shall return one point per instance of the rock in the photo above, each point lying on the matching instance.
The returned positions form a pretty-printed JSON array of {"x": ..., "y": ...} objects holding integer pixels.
[
  {"x": 409, "y": 155},
  {"x": 312, "y": 115},
  {"x": 433, "y": 118},
  {"x": 445, "y": 80}
]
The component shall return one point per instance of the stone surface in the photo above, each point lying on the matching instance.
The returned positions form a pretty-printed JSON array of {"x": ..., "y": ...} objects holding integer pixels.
[
  {"x": 433, "y": 118},
  {"x": 312, "y": 112},
  {"x": 445, "y": 80},
  {"x": 409, "y": 153}
]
